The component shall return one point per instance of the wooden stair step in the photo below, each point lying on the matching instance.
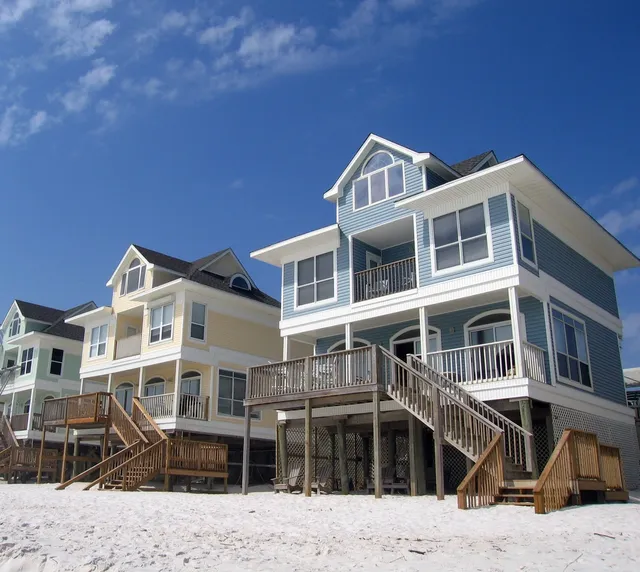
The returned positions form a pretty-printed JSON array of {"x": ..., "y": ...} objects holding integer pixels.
[
  {"x": 506, "y": 503},
  {"x": 519, "y": 483},
  {"x": 514, "y": 496}
]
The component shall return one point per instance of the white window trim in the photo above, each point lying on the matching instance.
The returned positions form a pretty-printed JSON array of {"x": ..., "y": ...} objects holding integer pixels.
[
  {"x": 64, "y": 355},
  {"x": 173, "y": 320},
  {"x": 206, "y": 311},
  {"x": 560, "y": 378},
  {"x": 393, "y": 340},
  {"x": 336, "y": 344},
  {"x": 164, "y": 385},
  {"x": 106, "y": 343},
  {"x": 141, "y": 278},
  {"x": 30, "y": 361},
  {"x": 240, "y": 275},
  {"x": 372, "y": 256},
  {"x": 533, "y": 264},
  {"x": 386, "y": 179},
  {"x": 226, "y": 415},
  {"x": 11, "y": 335},
  {"x": 335, "y": 283},
  {"x": 463, "y": 265}
]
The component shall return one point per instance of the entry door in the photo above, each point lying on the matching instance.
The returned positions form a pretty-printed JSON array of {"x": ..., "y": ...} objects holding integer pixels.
[
  {"x": 124, "y": 395},
  {"x": 373, "y": 260}
]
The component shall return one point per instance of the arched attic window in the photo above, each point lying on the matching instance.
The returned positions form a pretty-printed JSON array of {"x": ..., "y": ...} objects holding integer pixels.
[
  {"x": 14, "y": 329},
  {"x": 133, "y": 278},
  {"x": 240, "y": 282},
  {"x": 381, "y": 178}
]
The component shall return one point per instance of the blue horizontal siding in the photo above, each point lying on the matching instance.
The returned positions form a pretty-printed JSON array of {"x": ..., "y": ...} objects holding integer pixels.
[
  {"x": 536, "y": 328},
  {"x": 360, "y": 250},
  {"x": 574, "y": 271},
  {"x": 399, "y": 252},
  {"x": 604, "y": 357},
  {"x": 500, "y": 240},
  {"x": 434, "y": 180}
]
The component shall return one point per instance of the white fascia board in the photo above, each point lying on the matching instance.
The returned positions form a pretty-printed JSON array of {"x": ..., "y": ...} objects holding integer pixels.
[
  {"x": 117, "y": 270},
  {"x": 314, "y": 242},
  {"x": 12, "y": 310},
  {"x": 334, "y": 192},
  {"x": 82, "y": 319},
  {"x": 435, "y": 164}
]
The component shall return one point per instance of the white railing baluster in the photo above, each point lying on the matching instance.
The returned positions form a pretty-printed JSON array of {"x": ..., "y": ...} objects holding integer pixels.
[{"x": 391, "y": 278}]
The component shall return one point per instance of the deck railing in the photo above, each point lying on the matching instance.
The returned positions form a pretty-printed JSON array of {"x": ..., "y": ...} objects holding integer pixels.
[
  {"x": 197, "y": 456},
  {"x": 336, "y": 370},
  {"x": 534, "y": 364},
  {"x": 8, "y": 436},
  {"x": 159, "y": 406},
  {"x": 482, "y": 483},
  {"x": 36, "y": 422},
  {"x": 383, "y": 280},
  {"x": 20, "y": 422},
  {"x": 127, "y": 347},
  {"x": 189, "y": 406}
]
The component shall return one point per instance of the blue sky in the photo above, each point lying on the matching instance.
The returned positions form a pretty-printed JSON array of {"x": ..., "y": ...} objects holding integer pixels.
[{"x": 187, "y": 127}]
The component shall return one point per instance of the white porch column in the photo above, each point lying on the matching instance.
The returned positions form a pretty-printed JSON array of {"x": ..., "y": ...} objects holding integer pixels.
[
  {"x": 550, "y": 354},
  {"x": 13, "y": 403},
  {"x": 176, "y": 395},
  {"x": 514, "y": 309},
  {"x": 286, "y": 348},
  {"x": 82, "y": 385},
  {"x": 424, "y": 332},
  {"x": 110, "y": 383},
  {"x": 32, "y": 408},
  {"x": 140, "y": 381},
  {"x": 348, "y": 336},
  {"x": 212, "y": 396}
]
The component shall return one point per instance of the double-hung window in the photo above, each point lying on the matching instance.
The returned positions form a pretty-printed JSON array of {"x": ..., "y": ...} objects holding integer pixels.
[
  {"x": 315, "y": 279},
  {"x": 98, "y": 345},
  {"x": 382, "y": 178},
  {"x": 232, "y": 386},
  {"x": 198, "y": 317},
  {"x": 133, "y": 278},
  {"x": 57, "y": 357},
  {"x": 460, "y": 238},
  {"x": 572, "y": 356},
  {"x": 527, "y": 245},
  {"x": 161, "y": 323},
  {"x": 27, "y": 361}
]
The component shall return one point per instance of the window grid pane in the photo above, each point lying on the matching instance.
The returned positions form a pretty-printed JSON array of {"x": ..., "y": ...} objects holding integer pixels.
[
  {"x": 571, "y": 349},
  {"x": 315, "y": 279}
]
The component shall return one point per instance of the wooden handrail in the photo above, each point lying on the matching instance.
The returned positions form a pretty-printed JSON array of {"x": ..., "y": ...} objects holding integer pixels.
[
  {"x": 149, "y": 462},
  {"x": 483, "y": 481},
  {"x": 128, "y": 431},
  {"x": 140, "y": 407},
  {"x": 97, "y": 467},
  {"x": 612, "y": 470},
  {"x": 7, "y": 431}
]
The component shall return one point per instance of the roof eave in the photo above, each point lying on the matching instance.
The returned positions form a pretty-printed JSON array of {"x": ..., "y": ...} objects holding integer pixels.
[{"x": 81, "y": 319}]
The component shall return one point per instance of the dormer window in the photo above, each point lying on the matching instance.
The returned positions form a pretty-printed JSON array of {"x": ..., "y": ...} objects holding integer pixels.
[
  {"x": 14, "y": 328},
  {"x": 133, "y": 279},
  {"x": 382, "y": 178},
  {"x": 240, "y": 282}
]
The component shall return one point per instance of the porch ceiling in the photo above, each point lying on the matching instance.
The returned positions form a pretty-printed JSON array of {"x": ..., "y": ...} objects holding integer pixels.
[{"x": 388, "y": 235}]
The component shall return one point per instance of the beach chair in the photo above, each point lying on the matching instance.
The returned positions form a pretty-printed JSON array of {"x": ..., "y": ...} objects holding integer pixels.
[
  {"x": 323, "y": 482},
  {"x": 388, "y": 482},
  {"x": 287, "y": 484}
]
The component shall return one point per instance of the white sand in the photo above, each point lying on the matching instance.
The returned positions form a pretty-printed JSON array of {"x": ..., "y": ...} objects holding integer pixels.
[{"x": 47, "y": 530}]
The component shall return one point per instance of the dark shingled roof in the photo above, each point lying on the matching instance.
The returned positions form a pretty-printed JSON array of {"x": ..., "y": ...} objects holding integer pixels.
[
  {"x": 56, "y": 318},
  {"x": 465, "y": 167},
  {"x": 191, "y": 271}
]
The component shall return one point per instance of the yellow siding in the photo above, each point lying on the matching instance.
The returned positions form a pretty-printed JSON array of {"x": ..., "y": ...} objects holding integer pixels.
[{"x": 86, "y": 346}]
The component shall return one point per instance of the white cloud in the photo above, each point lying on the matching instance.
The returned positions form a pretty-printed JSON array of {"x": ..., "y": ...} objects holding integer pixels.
[
  {"x": 359, "y": 23},
  {"x": 108, "y": 111},
  {"x": 220, "y": 35},
  {"x": 37, "y": 122},
  {"x": 266, "y": 46},
  {"x": 237, "y": 184},
  {"x": 7, "y": 125},
  {"x": 78, "y": 98},
  {"x": 84, "y": 40},
  {"x": 173, "y": 21},
  {"x": 617, "y": 222},
  {"x": 617, "y": 190},
  {"x": 87, "y": 6},
  {"x": 11, "y": 12}
]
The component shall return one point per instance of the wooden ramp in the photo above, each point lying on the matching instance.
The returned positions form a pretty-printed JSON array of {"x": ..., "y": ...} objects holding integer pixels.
[
  {"x": 147, "y": 453},
  {"x": 580, "y": 468}
]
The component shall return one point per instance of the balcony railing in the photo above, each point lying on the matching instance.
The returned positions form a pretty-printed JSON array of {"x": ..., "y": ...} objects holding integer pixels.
[
  {"x": 20, "y": 422},
  {"x": 127, "y": 347},
  {"x": 488, "y": 362},
  {"x": 384, "y": 280},
  {"x": 189, "y": 406}
]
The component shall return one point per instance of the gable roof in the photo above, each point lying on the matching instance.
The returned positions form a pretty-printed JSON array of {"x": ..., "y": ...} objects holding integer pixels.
[
  {"x": 192, "y": 271},
  {"x": 55, "y": 318},
  {"x": 467, "y": 166}
]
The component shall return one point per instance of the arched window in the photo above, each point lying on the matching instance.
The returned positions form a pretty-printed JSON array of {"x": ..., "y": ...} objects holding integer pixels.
[
  {"x": 190, "y": 383},
  {"x": 239, "y": 281},
  {"x": 381, "y": 178},
  {"x": 377, "y": 161},
  {"x": 407, "y": 342},
  {"x": 133, "y": 278},
  {"x": 124, "y": 395},
  {"x": 339, "y": 346},
  {"x": 490, "y": 327},
  {"x": 155, "y": 386},
  {"x": 27, "y": 406},
  {"x": 14, "y": 329}
]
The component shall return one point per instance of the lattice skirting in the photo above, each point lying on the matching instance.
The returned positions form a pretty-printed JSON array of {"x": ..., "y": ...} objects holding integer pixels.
[{"x": 609, "y": 432}]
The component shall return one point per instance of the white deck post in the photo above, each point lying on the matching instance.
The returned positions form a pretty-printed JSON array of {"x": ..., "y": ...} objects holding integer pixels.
[
  {"x": 82, "y": 385},
  {"x": 286, "y": 348},
  {"x": 424, "y": 332},
  {"x": 140, "y": 381},
  {"x": 547, "y": 323},
  {"x": 32, "y": 408},
  {"x": 348, "y": 345},
  {"x": 514, "y": 308},
  {"x": 176, "y": 394},
  {"x": 110, "y": 383},
  {"x": 246, "y": 450}
]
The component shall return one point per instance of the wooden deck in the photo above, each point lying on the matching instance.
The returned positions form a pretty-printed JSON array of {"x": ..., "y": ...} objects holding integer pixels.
[{"x": 80, "y": 411}]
